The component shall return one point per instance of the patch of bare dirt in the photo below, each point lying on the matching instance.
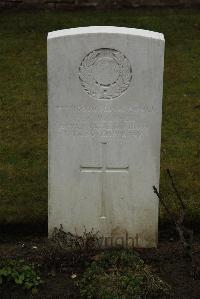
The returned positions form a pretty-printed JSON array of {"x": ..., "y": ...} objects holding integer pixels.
[{"x": 168, "y": 261}]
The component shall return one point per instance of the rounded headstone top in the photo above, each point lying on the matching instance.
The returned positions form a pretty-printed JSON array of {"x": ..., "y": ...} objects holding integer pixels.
[{"x": 106, "y": 30}]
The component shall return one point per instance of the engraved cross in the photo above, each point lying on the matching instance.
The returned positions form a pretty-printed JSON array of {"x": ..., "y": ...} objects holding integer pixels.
[{"x": 103, "y": 169}]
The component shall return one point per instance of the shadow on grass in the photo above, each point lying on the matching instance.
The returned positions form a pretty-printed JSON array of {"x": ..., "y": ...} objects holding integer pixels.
[{"x": 14, "y": 231}]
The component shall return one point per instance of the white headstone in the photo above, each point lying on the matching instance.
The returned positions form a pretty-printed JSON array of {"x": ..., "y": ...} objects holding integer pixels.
[{"x": 105, "y": 108}]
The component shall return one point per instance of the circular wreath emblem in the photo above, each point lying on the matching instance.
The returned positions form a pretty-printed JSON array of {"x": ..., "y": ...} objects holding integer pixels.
[{"x": 105, "y": 74}]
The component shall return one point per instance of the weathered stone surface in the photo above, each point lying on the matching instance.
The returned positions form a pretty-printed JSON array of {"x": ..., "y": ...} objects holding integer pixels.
[
  {"x": 105, "y": 107},
  {"x": 34, "y": 4},
  {"x": 51, "y": 5},
  {"x": 2, "y": 4},
  {"x": 72, "y": 4}
]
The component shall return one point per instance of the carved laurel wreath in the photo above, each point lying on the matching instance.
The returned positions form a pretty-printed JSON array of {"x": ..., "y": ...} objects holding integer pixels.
[{"x": 105, "y": 91}]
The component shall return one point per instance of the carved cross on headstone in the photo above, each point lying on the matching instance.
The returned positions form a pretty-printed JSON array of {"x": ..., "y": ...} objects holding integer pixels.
[{"x": 103, "y": 169}]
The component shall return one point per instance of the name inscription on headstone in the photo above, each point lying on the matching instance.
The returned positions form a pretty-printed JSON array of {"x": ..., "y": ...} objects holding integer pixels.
[{"x": 99, "y": 124}]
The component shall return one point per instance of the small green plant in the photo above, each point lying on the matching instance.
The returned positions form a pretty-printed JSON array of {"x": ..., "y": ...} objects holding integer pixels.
[
  {"x": 120, "y": 275},
  {"x": 19, "y": 273}
]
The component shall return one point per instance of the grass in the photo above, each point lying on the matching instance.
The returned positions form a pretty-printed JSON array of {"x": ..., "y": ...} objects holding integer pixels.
[
  {"x": 23, "y": 103},
  {"x": 120, "y": 275}
]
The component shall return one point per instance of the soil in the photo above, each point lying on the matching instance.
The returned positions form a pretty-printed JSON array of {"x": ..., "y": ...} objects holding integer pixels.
[{"x": 168, "y": 261}]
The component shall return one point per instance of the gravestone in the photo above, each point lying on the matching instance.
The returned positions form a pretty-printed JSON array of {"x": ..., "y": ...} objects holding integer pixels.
[{"x": 105, "y": 108}]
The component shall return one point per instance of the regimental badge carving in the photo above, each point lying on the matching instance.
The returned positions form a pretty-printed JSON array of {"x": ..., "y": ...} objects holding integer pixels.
[{"x": 105, "y": 74}]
